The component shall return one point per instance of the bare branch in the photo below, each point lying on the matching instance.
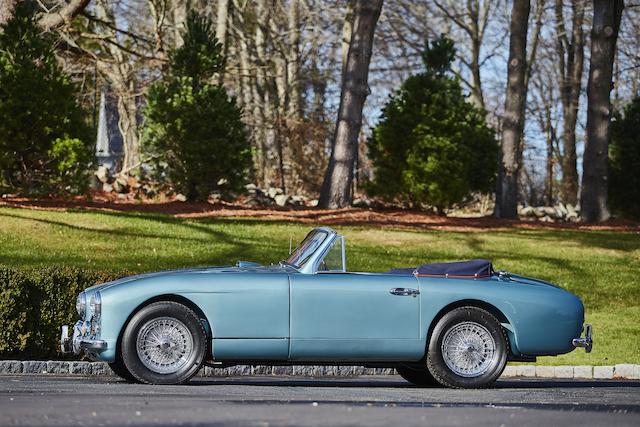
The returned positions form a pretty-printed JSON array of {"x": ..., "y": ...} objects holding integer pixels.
[{"x": 64, "y": 16}]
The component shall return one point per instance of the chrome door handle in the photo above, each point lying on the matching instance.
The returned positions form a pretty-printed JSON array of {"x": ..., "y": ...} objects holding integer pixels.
[{"x": 405, "y": 292}]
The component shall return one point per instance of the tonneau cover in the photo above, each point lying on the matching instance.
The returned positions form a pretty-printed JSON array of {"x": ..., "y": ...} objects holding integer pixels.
[
  {"x": 472, "y": 268},
  {"x": 475, "y": 268}
]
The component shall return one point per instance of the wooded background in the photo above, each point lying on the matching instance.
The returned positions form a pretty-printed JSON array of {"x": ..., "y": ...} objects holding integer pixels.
[{"x": 312, "y": 77}]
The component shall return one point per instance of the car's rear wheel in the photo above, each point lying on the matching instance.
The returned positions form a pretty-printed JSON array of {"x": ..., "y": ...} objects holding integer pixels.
[
  {"x": 468, "y": 349},
  {"x": 417, "y": 374},
  {"x": 164, "y": 343}
]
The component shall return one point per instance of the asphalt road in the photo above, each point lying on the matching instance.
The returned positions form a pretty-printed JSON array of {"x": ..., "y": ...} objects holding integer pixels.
[{"x": 44, "y": 400}]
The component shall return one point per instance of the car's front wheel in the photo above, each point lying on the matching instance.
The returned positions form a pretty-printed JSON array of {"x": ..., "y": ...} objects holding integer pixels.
[
  {"x": 468, "y": 349},
  {"x": 164, "y": 343}
]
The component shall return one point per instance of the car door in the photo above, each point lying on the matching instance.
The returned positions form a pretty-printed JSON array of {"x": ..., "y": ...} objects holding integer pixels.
[{"x": 354, "y": 316}]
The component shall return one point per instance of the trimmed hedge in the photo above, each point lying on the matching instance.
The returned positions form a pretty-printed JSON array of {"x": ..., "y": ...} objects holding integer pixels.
[{"x": 35, "y": 302}]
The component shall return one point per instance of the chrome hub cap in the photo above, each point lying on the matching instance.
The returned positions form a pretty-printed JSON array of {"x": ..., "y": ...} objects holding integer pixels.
[
  {"x": 164, "y": 345},
  {"x": 468, "y": 349}
]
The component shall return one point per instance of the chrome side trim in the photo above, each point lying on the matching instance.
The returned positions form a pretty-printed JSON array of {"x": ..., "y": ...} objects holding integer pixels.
[{"x": 587, "y": 341}]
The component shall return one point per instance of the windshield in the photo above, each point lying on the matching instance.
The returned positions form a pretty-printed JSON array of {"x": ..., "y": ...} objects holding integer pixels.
[{"x": 303, "y": 252}]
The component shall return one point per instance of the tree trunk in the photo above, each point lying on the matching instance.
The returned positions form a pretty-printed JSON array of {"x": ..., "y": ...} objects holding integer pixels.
[
  {"x": 280, "y": 152},
  {"x": 339, "y": 175},
  {"x": 571, "y": 59},
  {"x": 545, "y": 123},
  {"x": 604, "y": 34},
  {"x": 222, "y": 18},
  {"x": 282, "y": 99},
  {"x": 263, "y": 108},
  {"x": 158, "y": 11},
  {"x": 128, "y": 124},
  {"x": 245, "y": 73},
  {"x": 476, "y": 34},
  {"x": 514, "y": 107},
  {"x": 347, "y": 29},
  {"x": 477, "y": 96},
  {"x": 179, "y": 20},
  {"x": 119, "y": 73},
  {"x": 550, "y": 136},
  {"x": 7, "y": 8},
  {"x": 318, "y": 80},
  {"x": 222, "y": 15},
  {"x": 294, "y": 108}
]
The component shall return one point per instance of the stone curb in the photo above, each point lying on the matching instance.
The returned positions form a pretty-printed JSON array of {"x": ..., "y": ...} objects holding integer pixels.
[{"x": 621, "y": 371}]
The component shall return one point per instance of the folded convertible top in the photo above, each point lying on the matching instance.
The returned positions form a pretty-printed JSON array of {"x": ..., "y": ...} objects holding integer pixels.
[
  {"x": 472, "y": 268},
  {"x": 475, "y": 268}
]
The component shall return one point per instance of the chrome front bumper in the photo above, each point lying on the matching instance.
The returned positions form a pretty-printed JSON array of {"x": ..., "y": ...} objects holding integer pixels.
[
  {"x": 586, "y": 342},
  {"x": 80, "y": 339}
]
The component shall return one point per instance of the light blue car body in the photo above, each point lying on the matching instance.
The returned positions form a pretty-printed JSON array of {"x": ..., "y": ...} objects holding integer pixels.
[{"x": 258, "y": 313}]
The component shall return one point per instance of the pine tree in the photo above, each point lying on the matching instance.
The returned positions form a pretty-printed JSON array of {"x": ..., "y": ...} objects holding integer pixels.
[
  {"x": 431, "y": 146},
  {"x": 624, "y": 162},
  {"x": 192, "y": 125},
  {"x": 44, "y": 139}
]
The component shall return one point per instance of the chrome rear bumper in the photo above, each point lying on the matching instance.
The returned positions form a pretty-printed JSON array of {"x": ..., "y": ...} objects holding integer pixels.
[
  {"x": 80, "y": 339},
  {"x": 586, "y": 342}
]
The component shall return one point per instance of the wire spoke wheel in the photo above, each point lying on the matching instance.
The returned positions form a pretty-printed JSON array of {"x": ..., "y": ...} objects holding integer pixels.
[
  {"x": 468, "y": 349},
  {"x": 164, "y": 345}
]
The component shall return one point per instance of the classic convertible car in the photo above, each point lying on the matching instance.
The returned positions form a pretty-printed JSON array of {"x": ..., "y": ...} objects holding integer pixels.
[{"x": 454, "y": 324}]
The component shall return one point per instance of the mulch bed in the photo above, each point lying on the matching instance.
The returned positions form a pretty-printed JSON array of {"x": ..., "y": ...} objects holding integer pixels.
[{"x": 393, "y": 218}]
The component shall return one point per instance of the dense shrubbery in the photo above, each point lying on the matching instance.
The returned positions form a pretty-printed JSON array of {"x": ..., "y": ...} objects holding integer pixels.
[
  {"x": 624, "y": 154},
  {"x": 193, "y": 127},
  {"x": 35, "y": 302},
  {"x": 44, "y": 139},
  {"x": 431, "y": 146}
]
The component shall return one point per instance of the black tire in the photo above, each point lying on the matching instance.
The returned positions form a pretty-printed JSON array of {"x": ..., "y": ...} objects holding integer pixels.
[
  {"x": 172, "y": 311},
  {"x": 120, "y": 370},
  {"x": 496, "y": 363},
  {"x": 417, "y": 374}
]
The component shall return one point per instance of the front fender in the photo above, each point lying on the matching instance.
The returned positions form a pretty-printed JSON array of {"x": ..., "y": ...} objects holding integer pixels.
[{"x": 248, "y": 305}]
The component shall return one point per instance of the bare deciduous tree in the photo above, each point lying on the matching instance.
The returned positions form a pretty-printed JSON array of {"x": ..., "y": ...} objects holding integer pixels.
[
  {"x": 570, "y": 53},
  {"x": 513, "y": 121},
  {"x": 336, "y": 188},
  {"x": 604, "y": 34},
  {"x": 472, "y": 17}
]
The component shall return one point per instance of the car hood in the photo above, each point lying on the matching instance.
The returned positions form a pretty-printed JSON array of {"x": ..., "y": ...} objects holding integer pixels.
[{"x": 253, "y": 268}]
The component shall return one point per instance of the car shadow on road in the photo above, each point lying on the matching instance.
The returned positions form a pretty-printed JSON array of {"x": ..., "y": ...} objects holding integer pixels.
[
  {"x": 301, "y": 382},
  {"x": 399, "y": 383},
  {"x": 566, "y": 383}
]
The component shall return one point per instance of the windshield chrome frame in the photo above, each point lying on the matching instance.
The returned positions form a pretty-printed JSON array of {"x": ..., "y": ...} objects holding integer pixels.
[{"x": 311, "y": 267}]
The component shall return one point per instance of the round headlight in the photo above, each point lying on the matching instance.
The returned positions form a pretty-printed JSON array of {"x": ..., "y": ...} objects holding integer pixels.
[
  {"x": 96, "y": 304},
  {"x": 81, "y": 304}
]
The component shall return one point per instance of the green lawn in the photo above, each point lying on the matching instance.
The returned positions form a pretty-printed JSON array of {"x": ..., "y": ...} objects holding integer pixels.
[{"x": 603, "y": 268}]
